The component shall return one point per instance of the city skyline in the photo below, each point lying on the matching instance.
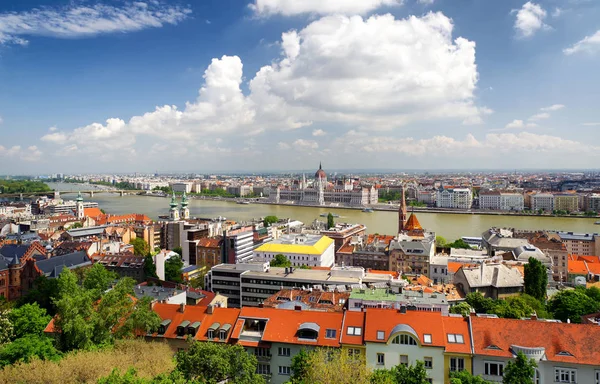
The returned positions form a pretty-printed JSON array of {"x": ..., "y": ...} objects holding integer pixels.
[{"x": 259, "y": 86}]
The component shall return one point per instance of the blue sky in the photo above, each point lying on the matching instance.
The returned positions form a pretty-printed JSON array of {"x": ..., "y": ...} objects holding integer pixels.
[{"x": 236, "y": 85}]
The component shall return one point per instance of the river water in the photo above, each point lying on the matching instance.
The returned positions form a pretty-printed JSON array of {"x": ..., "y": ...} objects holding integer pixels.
[{"x": 450, "y": 226}]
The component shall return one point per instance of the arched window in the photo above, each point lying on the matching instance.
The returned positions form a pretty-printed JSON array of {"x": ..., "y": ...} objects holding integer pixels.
[
  {"x": 404, "y": 339},
  {"x": 536, "y": 377}
]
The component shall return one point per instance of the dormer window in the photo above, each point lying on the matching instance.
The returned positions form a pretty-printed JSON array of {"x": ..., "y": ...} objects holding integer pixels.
[
  {"x": 212, "y": 329},
  {"x": 223, "y": 331},
  {"x": 564, "y": 353},
  {"x": 308, "y": 331},
  {"x": 427, "y": 338},
  {"x": 494, "y": 347},
  {"x": 162, "y": 328}
]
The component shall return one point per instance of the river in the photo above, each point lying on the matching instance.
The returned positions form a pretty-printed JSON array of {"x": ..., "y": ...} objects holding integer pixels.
[{"x": 450, "y": 226}]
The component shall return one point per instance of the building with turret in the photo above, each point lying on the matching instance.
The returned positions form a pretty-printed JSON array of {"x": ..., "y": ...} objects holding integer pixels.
[
  {"x": 79, "y": 208},
  {"x": 174, "y": 212},
  {"x": 323, "y": 192},
  {"x": 185, "y": 211}
]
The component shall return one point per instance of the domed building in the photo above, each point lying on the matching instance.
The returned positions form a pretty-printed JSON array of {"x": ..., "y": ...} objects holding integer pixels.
[{"x": 321, "y": 175}]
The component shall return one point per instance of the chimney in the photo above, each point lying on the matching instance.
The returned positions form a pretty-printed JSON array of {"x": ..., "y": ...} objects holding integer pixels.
[
  {"x": 210, "y": 309},
  {"x": 534, "y": 316},
  {"x": 481, "y": 271},
  {"x": 286, "y": 270},
  {"x": 182, "y": 307}
]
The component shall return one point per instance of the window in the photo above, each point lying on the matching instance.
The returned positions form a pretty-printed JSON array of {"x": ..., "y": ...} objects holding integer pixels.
[
  {"x": 455, "y": 338},
  {"x": 380, "y": 335},
  {"x": 457, "y": 364},
  {"x": 380, "y": 359},
  {"x": 597, "y": 377},
  {"x": 565, "y": 375},
  {"x": 284, "y": 370},
  {"x": 222, "y": 334},
  {"x": 428, "y": 362},
  {"x": 494, "y": 369},
  {"x": 262, "y": 352},
  {"x": 283, "y": 351},
  {"x": 356, "y": 352},
  {"x": 211, "y": 334},
  {"x": 355, "y": 331},
  {"x": 263, "y": 369},
  {"x": 427, "y": 338},
  {"x": 404, "y": 340},
  {"x": 404, "y": 359},
  {"x": 330, "y": 333},
  {"x": 536, "y": 377}
]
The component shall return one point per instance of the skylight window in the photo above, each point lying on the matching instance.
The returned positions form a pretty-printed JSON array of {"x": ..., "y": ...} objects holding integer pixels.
[
  {"x": 456, "y": 338},
  {"x": 427, "y": 338}
]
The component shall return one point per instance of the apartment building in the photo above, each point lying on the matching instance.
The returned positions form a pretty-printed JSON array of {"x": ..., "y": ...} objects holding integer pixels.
[
  {"x": 302, "y": 249},
  {"x": 584, "y": 244},
  {"x": 542, "y": 201},
  {"x": 342, "y": 233},
  {"x": 459, "y": 198},
  {"x": 367, "y": 251},
  {"x": 568, "y": 202},
  {"x": 411, "y": 253},
  {"x": 591, "y": 202}
]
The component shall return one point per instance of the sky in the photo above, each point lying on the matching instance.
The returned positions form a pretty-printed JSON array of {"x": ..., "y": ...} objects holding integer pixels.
[{"x": 271, "y": 85}]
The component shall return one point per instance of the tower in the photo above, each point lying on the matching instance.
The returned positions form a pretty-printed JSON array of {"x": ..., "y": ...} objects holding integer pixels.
[
  {"x": 402, "y": 212},
  {"x": 79, "y": 207},
  {"x": 174, "y": 213},
  {"x": 320, "y": 192},
  {"x": 185, "y": 211}
]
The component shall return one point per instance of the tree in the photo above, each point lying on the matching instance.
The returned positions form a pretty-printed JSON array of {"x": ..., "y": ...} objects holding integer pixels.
[
  {"x": 324, "y": 366},
  {"x": 149, "y": 267},
  {"x": 28, "y": 319},
  {"x": 465, "y": 377},
  {"x": 270, "y": 220},
  {"x": 140, "y": 246},
  {"x": 173, "y": 269},
  {"x": 178, "y": 251},
  {"x": 459, "y": 244},
  {"x": 593, "y": 293},
  {"x": 479, "y": 303},
  {"x": 571, "y": 305},
  {"x": 536, "y": 279},
  {"x": 280, "y": 261},
  {"x": 461, "y": 308},
  {"x": 401, "y": 374},
  {"x": 44, "y": 292},
  {"x": 440, "y": 241},
  {"x": 213, "y": 363},
  {"x": 6, "y": 328},
  {"x": 330, "y": 221},
  {"x": 26, "y": 348},
  {"x": 520, "y": 371},
  {"x": 300, "y": 367},
  {"x": 76, "y": 225},
  {"x": 98, "y": 279}
]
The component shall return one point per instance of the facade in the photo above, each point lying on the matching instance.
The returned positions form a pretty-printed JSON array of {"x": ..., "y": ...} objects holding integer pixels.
[
  {"x": 308, "y": 300},
  {"x": 342, "y": 233},
  {"x": 542, "y": 201},
  {"x": 566, "y": 202},
  {"x": 208, "y": 252},
  {"x": 321, "y": 192},
  {"x": 310, "y": 250},
  {"x": 496, "y": 281},
  {"x": 411, "y": 253},
  {"x": 592, "y": 202},
  {"x": 552, "y": 246},
  {"x": 125, "y": 265},
  {"x": 182, "y": 187},
  {"x": 584, "y": 244},
  {"x": 438, "y": 270},
  {"x": 458, "y": 198},
  {"x": 18, "y": 268},
  {"x": 427, "y": 196},
  {"x": 361, "y": 299},
  {"x": 238, "y": 244},
  {"x": 367, "y": 251}
]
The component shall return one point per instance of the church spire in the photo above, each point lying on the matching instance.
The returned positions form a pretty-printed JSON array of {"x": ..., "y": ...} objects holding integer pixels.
[
  {"x": 402, "y": 219},
  {"x": 320, "y": 165}
]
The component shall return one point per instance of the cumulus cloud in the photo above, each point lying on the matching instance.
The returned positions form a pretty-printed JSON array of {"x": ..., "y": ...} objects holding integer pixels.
[
  {"x": 517, "y": 124},
  {"x": 318, "y": 132},
  {"x": 320, "y": 7},
  {"x": 426, "y": 2},
  {"x": 530, "y": 19},
  {"x": 539, "y": 116},
  {"x": 283, "y": 146},
  {"x": 302, "y": 144},
  {"x": 589, "y": 44},
  {"x": 31, "y": 153},
  {"x": 79, "y": 20},
  {"x": 552, "y": 108}
]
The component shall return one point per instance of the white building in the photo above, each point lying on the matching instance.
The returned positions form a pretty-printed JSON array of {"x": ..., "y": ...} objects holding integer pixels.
[
  {"x": 461, "y": 198},
  {"x": 543, "y": 201},
  {"x": 501, "y": 201},
  {"x": 182, "y": 187},
  {"x": 310, "y": 250},
  {"x": 438, "y": 270}
]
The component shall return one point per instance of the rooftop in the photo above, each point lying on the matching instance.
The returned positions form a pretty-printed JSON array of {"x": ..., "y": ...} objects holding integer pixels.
[{"x": 304, "y": 244}]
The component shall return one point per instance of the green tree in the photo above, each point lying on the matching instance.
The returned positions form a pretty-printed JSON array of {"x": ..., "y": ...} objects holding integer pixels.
[
  {"x": 270, "y": 220},
  {"x": 571, "y": 305},
  {"x": 593, "y": 293},
  {"x": 44, "y": 292},
  {"x": 280, "y": 261},
  {"x": 149, "y": 266},
  {"x": 520, "y": 371},
  {"x": 173, "y": 269},
  {"x": 401, "y": 374},
  {"x": 326, "y": 365},
  {"x": 178, "y": 251},
  {"x": 479, "y": 303},
  {"x": 440, "y": 241},
  {"x": 511, "y": 308},
  {"x": 97, "y": 279},
  {"x": 536, "y": 279},
  {"x": 300, "y": 367},
  {"x": 461, "y": 308},
  {"x": 213, "y": 363},
  {"x": 28, "y": 319},
  {"x": 140, "y": 246},
  {"x": 330, "y": 221},
  {"x": 6, "y": 328},
  {"x": 459, "y": 244},
  {"x": 28, "y": 347},
  {"x": 465, "y": 377},
  {"x": 76, "y": 225}
]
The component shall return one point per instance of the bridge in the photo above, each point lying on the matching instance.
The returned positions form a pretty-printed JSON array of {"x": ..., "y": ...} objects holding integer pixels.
[{"x": 91, "y": 193}]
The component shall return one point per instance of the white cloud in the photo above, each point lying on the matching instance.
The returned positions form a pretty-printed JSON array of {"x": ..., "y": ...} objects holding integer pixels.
[
  {"x": 55, "y": 137},
  {"x": 589, "y": 44},
  {"x": 591, "y": 124},
  {"x": 426, "y": 2},
  {"x": 78, "y": 20},
  {"x": 530, "y": 19},
  {"x": 517, "y": 124},
  {"x": 552, "y": 108},
  {"x": 302, "y": 144},
  {"x": 539, "y": 116},
  {"x": 320, "y": 7},
  {"x": 31, "y": 153},
  {"x": 557, "y": 12},
  {"x": 318, "y": 132},
  {"x": 283, "y": 146}
]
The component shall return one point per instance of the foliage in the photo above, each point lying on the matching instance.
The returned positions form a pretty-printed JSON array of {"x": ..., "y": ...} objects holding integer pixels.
[
  {"x": 149, "y": 359},
  {"x": 178, "y": 251},
  {"x": 461, "y": 308},
  {"x": 330, "y": 221},
  {"x": 76, "y": 225},
  {"x": 536, "y": 279},
  {"x": 385, "y": 196},
  {"x": 140, "y": 246},
  {"x": 514, "y": 307},
  {"x": 280, "y": 261},
  {"x": 212, "y": 363},
  {"x": 43, "y": 293},
  {"x": 149, "y": 266},
  {"x": 324, "y": 366},
  {"x": 572, "y": 304},
  {"x": 97, "y": 279},
  {"x": 592, "y": 292},
  {"x": 465, "y": 377},
  {"x": 173, "y": 270},
  {"x": 23, "y": 186},
  {"x": 28, "y": 319},
  {"x": 131, "y": 377},
  {"x": 479, "y": 303},
  {"x": 459, "y": 244},
  {"x": 6, "y": 328},
  {"x": 415, "y": 203},
  {"x": 166, "y": 190},
  {"x": 28, "y": 347},
  {"x": 401, "y": 374},
  {"x": 520, "y": 371},
  {"x": 220, "y": 192},
  {"x": 440, "y": 241},
  {"x": 269, "y": 220}
]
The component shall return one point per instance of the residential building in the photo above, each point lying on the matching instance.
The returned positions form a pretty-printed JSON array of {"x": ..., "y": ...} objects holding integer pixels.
[
  {"x": 240, "y": 190},
  {"x": 411, "y": 252},
  {"x": 360, "y": 299},
  {"x": 438, "y": 270},
  {"x": 53, "y": 266},
  {"x": 308, "y": 300},
  {"x": 161, "y": 294},
  {"x": 585, "y": 244},
  {"x": 342, "y": 233},
  {"x": 182, "y": 187},
  {"x": 496, "y": 281},
  {"x": 427, "y": 197},
  {"x": 18, "y": 268},
  {"x": 592, "y": 202},
  {"x": 4, "y": 278},
  {"x": 303, "y": 249},
  {"x": 458, "y": 198},
  {"x": 543, "y": 202},
  {"x": 238, "y": 244},
  {"x": 367, "y": 251},
  {"x": 501, "y": 240},
  {"x": 125, "y": 265},
  {"x": 568, "y": 202},
  {"x": 551, "y": 245},
  {"x": 208, "y": 252}
]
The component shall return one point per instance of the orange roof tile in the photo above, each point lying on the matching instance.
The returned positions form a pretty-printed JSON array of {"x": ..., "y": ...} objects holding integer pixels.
[
  {"x": 92, "y": 212},
  {"x": 578, "y": 340},
  {"x": 588, "y": 259},
  {"x": 421, "y": 322},
  {"x": 353, "y": 319},
  {"x": 221, "y": 316},
  {"x": 594, "y": 268},
  {"x": 460, "y": 326},
  {"x": 577, "y": 267},
  {"x": 454, "y": 266},
  {"x": 412, "y": 223}
]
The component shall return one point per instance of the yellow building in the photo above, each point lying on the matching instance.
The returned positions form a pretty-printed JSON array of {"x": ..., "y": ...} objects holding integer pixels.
[{"x": 566, "y": 202}]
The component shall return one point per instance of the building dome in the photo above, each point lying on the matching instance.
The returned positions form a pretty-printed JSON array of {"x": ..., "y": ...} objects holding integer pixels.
[{"x": 320, "y": 174}]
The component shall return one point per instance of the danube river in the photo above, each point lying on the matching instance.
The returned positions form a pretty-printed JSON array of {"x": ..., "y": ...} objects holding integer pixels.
[{"x": 450, "y": 226}]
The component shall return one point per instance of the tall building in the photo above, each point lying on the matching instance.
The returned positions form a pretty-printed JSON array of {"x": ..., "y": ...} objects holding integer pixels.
[
  {"x": 460, "y": 198},
  {"x": 79, "y": 207},
  {"x": 185, "y": 211},
  {"x": 173, "y": 213},
  {"x": 542, "y": 201},
  {"x": 402, "y": 212},
  {"x": 566, "y": 202},
  {"x": 310, "y": 250}
]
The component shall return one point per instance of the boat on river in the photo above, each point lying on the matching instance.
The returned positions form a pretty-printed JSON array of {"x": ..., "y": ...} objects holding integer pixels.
[
  {"x": 368, "y": 210},
  {"x": 327, "y": 214},
  {"x": 597, "y": 222}
]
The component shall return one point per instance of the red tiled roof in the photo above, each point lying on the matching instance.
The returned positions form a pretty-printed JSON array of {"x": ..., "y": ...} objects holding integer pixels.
[
  {"x": 588, "y": 259},
  {"x": 208, "y": 243},
  {"x": 92, "y": 212},
  {"x": 454, "y": 266},
  {"x": 457, "y": 325},
  {"x": 422, "y": 322},
  {"x": 578, "y": 340},
  {"x": 577, "y": 267},
  {"x": 594, "y": 268},
  {"x": 353, "y": 319},
  {"x": 221, "y": 316}
]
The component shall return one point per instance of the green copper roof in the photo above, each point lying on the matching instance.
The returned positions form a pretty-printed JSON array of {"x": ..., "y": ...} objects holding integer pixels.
[
  {"x": 184, "y": 200},
  {"x": 173, "y": 202},
  {"x": 79, "y": 198}
]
